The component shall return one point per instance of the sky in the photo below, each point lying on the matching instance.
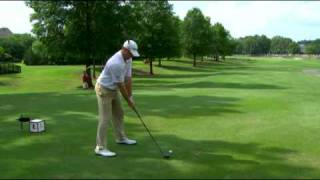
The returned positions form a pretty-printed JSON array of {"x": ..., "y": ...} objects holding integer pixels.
[
  {"x": 298, "y": 20},
  {"x": 15, "y": 15}
]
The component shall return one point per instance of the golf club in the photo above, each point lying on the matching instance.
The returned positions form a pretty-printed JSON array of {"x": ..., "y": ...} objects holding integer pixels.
[{"x": 165, "y": 155}]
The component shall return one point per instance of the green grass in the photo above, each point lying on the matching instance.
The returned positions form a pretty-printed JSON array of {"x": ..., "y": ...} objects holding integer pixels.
[{"x": 242, "y": 118}]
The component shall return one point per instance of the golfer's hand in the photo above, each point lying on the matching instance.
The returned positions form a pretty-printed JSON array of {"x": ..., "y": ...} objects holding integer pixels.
[
  {"x": 130, "y": 103},
  {"x": 131, "y": 99}
]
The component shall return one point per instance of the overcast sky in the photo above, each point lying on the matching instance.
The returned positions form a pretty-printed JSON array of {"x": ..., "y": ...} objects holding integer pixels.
[
  {"x": 15, "y": 15},
  {"x": 295, "y": 19}
]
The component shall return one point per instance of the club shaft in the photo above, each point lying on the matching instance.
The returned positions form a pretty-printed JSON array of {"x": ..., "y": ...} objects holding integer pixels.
[{"x": 154, "y": 140}]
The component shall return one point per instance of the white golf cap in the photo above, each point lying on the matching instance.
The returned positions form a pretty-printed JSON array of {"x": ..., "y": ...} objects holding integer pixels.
[{"x": 132, "y": 47}]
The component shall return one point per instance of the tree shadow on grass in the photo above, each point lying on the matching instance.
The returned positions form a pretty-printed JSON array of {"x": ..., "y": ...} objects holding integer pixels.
[
  {"x": 75, "y": 110},
  {"x": 228, "y": 61},
  {"x": 199, "y": 63},
  {"x": 51, "y": 104},
  {"x": 191, "y": 159},
  {"x": 180, "y": 107},
  {"x": 259, "y": 69},
  {"x": 186, "y": 69},
  {"x": 163, "y": 76},
  {"x": 66, "y": 149},
  {"x": 204, "y": 67},
  {"x": 155, "y": 77},
  {"x": 253, "y": 86},
  {"x": 199, "y": 75},
  {"x": 250, "y": 65},
  {"x": 211, "y": 66},
  {"x": 4, "y": 83},
  {"x": 204, "y": 84}
]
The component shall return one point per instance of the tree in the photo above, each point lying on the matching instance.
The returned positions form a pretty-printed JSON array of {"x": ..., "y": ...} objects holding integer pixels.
[
  {"x": 4, "y": 56},
  {"x": 2, "y": 51},
  {"x": 253, "y": 45},
  {"x": 17, "y": 44},
  {"x": 37, "y": 54},
  {"x": 280, "y": 45},
  {"x": 313, "y": 47},
  {"x": 76, "y": 30},
  {"x": 221, "y": 44},
  {"x": 250, "y": 45},
  {"x": 239, "y": 46},
  {"x": 230, "y": 46},
  {"x": 155, "y": 31},
  {"x": 264, "y": 44},
  {"x": 196, "y": 33},
  {"x": 173, "y": 45},
  {"x": 294, "y": 48},
  {"x": 49, "y": 22}
]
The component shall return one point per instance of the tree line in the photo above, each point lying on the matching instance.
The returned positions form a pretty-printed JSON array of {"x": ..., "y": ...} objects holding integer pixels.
[
  {"x": 89, "y": 32},
  {"x": 13, "y": 48},
  {"x": 262, "y": 45}
]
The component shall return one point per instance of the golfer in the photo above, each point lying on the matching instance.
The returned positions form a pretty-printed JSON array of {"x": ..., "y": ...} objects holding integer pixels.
[{"x": 115, "y": 77}]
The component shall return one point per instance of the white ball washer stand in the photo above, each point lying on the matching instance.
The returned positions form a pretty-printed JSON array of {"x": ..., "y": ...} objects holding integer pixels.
[{"x": 37, "y": 125}]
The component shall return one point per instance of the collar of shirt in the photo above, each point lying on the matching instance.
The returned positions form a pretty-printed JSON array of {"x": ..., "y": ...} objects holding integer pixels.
[{"x": 125, "y": 61}]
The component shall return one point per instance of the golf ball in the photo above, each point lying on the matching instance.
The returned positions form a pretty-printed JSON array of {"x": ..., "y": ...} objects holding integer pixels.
[{"x": 170, "y": 151}]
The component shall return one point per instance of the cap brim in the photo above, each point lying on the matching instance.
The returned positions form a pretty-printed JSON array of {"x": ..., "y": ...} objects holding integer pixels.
[{"x": 135, "y": 53}]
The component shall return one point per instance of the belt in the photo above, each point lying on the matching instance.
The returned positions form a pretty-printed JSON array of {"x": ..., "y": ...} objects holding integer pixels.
[{"x": 107, "y": 88}]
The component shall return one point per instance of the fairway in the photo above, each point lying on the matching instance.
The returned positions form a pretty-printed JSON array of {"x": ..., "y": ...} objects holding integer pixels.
[{"x": 241, "y": 118}]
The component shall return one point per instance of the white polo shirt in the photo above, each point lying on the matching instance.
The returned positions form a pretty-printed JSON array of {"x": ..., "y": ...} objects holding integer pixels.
[{"x": 115, "y": 71}]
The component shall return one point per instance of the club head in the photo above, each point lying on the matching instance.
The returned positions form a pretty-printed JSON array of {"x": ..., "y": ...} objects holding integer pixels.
[{"x": 168, "y": 154}]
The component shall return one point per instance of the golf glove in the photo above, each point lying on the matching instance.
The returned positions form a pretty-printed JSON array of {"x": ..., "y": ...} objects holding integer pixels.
[{"x": 131, "y": 99}]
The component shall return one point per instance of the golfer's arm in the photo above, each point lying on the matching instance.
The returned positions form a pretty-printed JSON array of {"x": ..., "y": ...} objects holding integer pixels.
[
  {"x": 123, "y": 91},
  {"x": 129, "y": 85}
]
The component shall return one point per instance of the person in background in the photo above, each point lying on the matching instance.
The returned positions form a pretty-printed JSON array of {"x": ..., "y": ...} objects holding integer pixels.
[{"x": 85, "y": 79}]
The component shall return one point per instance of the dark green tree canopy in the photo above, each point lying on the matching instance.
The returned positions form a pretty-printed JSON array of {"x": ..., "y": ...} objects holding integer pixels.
[{"x": 196, "y": 33}]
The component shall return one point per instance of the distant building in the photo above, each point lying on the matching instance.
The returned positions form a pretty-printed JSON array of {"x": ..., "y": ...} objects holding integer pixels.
[
  {"x": 4, "y": 32},
  {"x": 302, "y": 48},
  {"x": 303, "y": 44}
]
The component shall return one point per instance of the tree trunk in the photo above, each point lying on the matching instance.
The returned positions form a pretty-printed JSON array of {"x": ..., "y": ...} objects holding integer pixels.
[
  {"x": 88, "y": 50},
  {"x": 159, "y": 60},
  {"x": 223, "y": 57},
  {"x": 194, "y": 60},
  {"x": 150, "y": 63},
  {"x": 216, "y": 57},
  {"x": 94, "y": 68},
  {"x": 201, "y": 58},
  {"x": 94, "y": 39}
]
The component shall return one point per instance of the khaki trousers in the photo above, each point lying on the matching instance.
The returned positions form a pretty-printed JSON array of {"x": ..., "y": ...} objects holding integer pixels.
[{"x": 110, "y": 108}]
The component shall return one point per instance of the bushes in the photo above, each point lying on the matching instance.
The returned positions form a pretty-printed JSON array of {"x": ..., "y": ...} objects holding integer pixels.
[
  {"x": 16, "y": 45},
  {"x": 37, "y": 54},
  {"x": 313, "y": 47},
  {"x": 6, "y": 68},
  {"x": 30, "y": 58},
  {"x": 5, "y": 57}
]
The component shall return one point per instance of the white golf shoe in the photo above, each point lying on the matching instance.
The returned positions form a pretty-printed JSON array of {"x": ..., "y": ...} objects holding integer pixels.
[
  {"x": 104, "y": 152},
  {"x": 126, "y": 141}
]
